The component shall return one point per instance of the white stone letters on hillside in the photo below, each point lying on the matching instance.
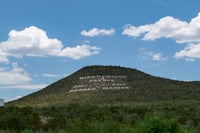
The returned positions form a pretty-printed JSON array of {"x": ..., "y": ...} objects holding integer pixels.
[{"x": 108, "y": 82}]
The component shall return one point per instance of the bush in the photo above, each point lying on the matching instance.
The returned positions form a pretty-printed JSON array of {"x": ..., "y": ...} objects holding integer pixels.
[
  {"x": 19, "y": 119},
  {"x": 156, "y": 124},
  {"x": 12, "y": 120}
]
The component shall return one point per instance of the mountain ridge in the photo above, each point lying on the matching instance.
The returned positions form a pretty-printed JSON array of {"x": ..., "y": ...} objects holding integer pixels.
[{"x": 140, "y": 87}]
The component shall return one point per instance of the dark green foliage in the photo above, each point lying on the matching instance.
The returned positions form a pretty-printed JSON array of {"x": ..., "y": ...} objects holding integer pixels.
[
  {"x": 73, "y": 118},
  {"x": 107, "y": 126},
  {"x": 18, "y": 118},
  {"x": 158, "y": 124}
]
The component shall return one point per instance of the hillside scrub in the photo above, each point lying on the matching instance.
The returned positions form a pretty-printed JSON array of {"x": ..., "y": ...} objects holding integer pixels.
[{"x": 142, "y": 87}]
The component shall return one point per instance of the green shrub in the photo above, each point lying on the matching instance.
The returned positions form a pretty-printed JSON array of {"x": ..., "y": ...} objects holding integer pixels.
[
  {"x": 19, "y": 119},
  {"x": 156, "y": 124},
  {"x": 12, "y": 120}
]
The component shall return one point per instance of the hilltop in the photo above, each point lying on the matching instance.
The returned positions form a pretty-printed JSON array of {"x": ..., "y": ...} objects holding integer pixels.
[{"x": 111, "y": 85}]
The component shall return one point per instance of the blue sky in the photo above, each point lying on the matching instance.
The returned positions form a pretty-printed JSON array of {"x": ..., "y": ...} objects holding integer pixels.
[{"x": 42, "y": 41}]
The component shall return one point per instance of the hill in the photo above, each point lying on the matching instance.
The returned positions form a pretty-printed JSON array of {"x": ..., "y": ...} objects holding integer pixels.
[{"x": 103, "y": 85}]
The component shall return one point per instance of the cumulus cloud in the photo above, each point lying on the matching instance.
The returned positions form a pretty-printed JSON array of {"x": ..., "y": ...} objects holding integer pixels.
[
  {"x": 172, "y": 28},
  {"x": 167, "y": 27},
  {"x": 17, "y": 77},
  {"x": 153, "y": 56},
  {"x": 79, "y": 51},
  {"x": 33, "y": 41},
  {"x": 191, "y": 52},
  {"x": 98, "y": 32}
]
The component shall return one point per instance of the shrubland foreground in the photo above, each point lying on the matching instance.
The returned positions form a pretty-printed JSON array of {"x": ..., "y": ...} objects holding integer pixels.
[{"x": 74, "y": 118}]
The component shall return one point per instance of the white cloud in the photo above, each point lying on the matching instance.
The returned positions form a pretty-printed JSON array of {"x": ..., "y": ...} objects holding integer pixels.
[
  {"x": 14, "y": 76},
  {"x": 26, "y": 86},
  {"x": 49, "y": 75},
  {"x": 79, "y": 51},
  {"x": 133, "y": 31},
  {"x": 33, "y": 41},
  {"x": 191, "y": 52},
  {"x": 153, "y": 56},
  {"x": 17, "y": 77},
  {"x": 167, "y": 27},
  {"x": 158, "y": 57},
  {"x": 172, "y": 28},
  {"x": 98, "y": 32},
  {"x": 3, "y": 57}
]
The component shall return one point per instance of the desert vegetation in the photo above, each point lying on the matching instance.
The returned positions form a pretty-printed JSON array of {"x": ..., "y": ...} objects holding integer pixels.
[{"x": 77, "y": 118}]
